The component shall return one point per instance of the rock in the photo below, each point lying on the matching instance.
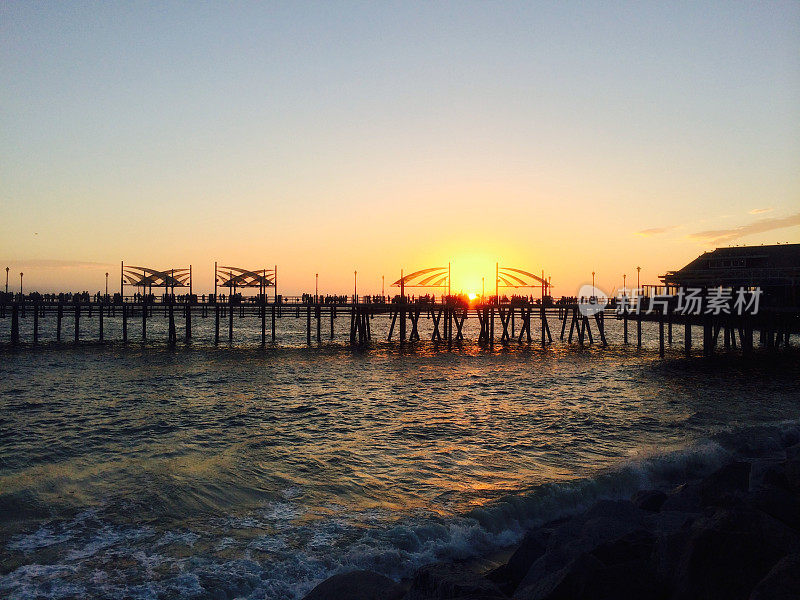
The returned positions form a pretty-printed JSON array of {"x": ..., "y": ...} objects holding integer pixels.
[
  {"x": 768, "y": 474},
  {"x": 684, "y": 498},
  {"x": 634, "y": 547},
  {"x": 356, "y": 585},
  {"x": 732, "y": 479},
  {"x": 444, "y": 581},
  {"x": 778, "y": 503},
  {"x": 668, "y": 522},
  {"x": 793, "y": 475},
  {"x": 532, "y": 547},
  {"x": 568, "y": 583},
  {"x": 650, "y": 500},
  {"x": 793, "y": 452},
  {"x": 727, "y": 553},
  {"x": 606, "y": 521},
  {"x": 722, "y": 487},
  {"x": 782, "y": 582},
  {"x": 617, "y": 570}
]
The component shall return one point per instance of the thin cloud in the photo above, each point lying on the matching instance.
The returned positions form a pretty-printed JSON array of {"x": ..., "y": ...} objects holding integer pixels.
[
  {"x": 724, "y": 236},
  {"x": 760, "y": 211},
  {"x": 53, "y": 263},
  {"x": 655, "y": 230}
]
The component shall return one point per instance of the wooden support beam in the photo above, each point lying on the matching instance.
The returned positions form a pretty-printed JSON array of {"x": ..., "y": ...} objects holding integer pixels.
[
  {"x": 459, "y": 322},
  {"x": 263, "y": 320},
  {"x": 188, "y": 318},
  {"x": 436, "y": 316},
  {"x": 144, "y": 319},
  {"x": 59, "y": 317},
  {"x": 36, "y": 324},
  {"x": 391, "y": 326},
  {"x": 601, "y": 329},
  {"x": 625, "y": 326},
  {"x": 172, "y": 334},
  {"x": 414, "y": 316},
  {"x": 687, "y": 336},
  {"x": 124, "y": 323},
  {"x": 15, "y": 323},
  {"x": 230, "y": 320}
]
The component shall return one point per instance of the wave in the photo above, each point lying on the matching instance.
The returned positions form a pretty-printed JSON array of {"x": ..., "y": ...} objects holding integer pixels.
[{"x": 287, "y": 555}]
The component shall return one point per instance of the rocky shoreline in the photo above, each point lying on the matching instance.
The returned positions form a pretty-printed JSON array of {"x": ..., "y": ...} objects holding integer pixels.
[{"x": 734, "y": 534}]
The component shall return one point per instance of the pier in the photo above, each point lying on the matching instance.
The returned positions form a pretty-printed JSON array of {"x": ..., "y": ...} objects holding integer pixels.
[
  {"x": 521, "y": 310},
  {"x": 405, "y": 322}
]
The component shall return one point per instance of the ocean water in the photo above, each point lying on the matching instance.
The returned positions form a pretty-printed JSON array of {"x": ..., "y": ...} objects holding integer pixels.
[{"x": 202, "y": 472}]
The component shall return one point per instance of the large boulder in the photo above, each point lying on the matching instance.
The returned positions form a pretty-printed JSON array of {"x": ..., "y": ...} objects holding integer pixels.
[
  {"x": 446, "y": 581},
  {"x": 617, "y": 570},
  {"x": 778, "y": 503},
  {"x": 532, "y": 547},
  {"x": 782, "y": 582},
  {"x": 724, "y": 486},
  {"x": 606, "y": 521},
  {"x": 727, "y": 553},
  {"x": 650, "y": 500},
  {"x": 356, "y": 585},
  {"x": 731, "y": 480}
]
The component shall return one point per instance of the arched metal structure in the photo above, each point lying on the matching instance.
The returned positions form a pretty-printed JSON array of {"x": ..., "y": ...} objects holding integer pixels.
[
  {"x": 237, "y": 277},
  {"x": 509, "y": 277},
  {"x": 148, "y": 278},
  {"x": 431, "y": 277}
]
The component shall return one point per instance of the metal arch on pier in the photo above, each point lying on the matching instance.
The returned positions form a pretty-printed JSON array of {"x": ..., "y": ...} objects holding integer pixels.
[
  {"x": 431, "y": 277},
  {"x": 147, "y": 277},
  {"x": 510, "y": 277},
  {"x": 517, "y": 278},
  {"x": 241, "y": 278}
]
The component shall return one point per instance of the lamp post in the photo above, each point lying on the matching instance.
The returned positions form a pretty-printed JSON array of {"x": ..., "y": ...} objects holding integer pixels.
[
  {"x": 7, "y": 269},
  {"x": 383, "y": 281},
  {"x": 624, "y": 291},
  {"x": 20, "y": 284},
  {"x": 355, "y": 286},
  {"x": 638, "y": 285},
  {"x": 483, "y": 288},
  {"x": 593, "y": 283},
  {"x": 106, "y": 285},
  {"x": 316, "y": 287}
]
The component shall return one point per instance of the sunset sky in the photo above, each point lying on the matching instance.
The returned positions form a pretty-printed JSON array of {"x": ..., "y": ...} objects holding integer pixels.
[{"x": 372, "y": 136}]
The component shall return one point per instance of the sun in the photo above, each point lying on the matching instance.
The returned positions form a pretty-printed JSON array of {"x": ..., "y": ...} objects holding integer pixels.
[{"x": 472, "y": 296}]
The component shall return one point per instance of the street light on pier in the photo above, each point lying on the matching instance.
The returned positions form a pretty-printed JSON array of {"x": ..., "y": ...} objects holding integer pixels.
[
  {"x": 20, "y": 283},
  {"x": 106, "y": 284},
  {"x": 624, "y": 276},
  {"x": 316, "y": 287},
  {"x": 7, "y": 270},
  {"x": 355, "y": 286},
  {"x": 638, "y": 285}
]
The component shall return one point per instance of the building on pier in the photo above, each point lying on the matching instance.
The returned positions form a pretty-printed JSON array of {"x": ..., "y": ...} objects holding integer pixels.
[{"x": 775, "y": 269}]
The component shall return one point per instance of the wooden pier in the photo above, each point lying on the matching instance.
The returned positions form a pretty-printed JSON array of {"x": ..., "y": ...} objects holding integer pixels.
[{"x": 504, "y": 323}]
